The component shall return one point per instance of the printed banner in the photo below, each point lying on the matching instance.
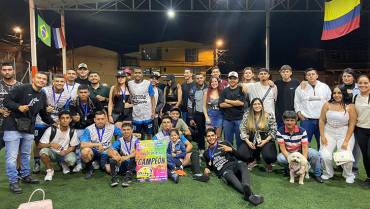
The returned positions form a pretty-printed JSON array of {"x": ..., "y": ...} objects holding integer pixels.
[{"x": 151, "y": 160}]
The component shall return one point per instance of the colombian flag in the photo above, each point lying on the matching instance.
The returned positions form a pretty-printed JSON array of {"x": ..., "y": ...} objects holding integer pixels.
[{"x": 341, "y": 17}]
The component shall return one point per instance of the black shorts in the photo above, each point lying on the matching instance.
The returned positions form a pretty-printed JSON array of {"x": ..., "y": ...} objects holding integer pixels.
[
  {"x": 125, "y": 116},
  {"x": 39, "y": 131}
]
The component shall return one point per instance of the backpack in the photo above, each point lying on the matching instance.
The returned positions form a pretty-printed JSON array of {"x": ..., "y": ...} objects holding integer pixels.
[{"x": 53, "y": 132}]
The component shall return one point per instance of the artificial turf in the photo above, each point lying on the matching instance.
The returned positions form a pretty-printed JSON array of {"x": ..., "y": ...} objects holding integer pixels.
[{"x": 72, "y": 191}]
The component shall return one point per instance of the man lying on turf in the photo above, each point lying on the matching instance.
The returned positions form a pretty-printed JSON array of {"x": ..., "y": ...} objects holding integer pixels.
[
  {"x": 222, "y": 158},
  {"x": 122, "y": 156}
]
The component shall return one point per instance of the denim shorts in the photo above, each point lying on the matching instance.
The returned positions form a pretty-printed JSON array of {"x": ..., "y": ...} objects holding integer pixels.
[{"x": 216, "y": 117}]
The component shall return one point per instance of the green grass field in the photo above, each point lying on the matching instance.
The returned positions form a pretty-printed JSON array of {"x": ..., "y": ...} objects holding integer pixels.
[{"x": 74, "y": 192}]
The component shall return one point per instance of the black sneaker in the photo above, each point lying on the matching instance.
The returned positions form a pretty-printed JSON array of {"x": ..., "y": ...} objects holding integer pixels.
[
  {"x": 175, "y": 177},
  {"x": 202, "y": 178},
  {"x": 366, "y": 183},
  {"x": 15, "y": 188},
  {"x": 125, "y": 183},
  {"x": 29, "y": 180},
  {"x": 36, "y": 168},
  {"x": 114, "y": 182},
  {"x": 319, "y": 179},
  {"x": 255, "y": 199},
  {"x": 89, "y": 173}
]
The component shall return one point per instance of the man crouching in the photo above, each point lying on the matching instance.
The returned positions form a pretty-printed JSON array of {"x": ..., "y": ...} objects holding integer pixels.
[
  {"x": 58, "y": 144},
  {"x": 122, "y": 156},
  {"x": 222, "y": 158}
]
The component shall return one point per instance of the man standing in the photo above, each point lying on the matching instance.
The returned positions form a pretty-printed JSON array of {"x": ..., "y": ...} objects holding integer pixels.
[
  {"x": 83, "y": 73},
  {"x": 71, "y": 85},
  {"x": 286, "y": 87},
  {"x": 6, "y": 85},
  {"x": 186, "y": 86},
  {"x": 292, "y": 138},
  {"x": 58, "y": 145},
  {"x": 232, "y": 103},
  {"x": 24, "y": 102},
  {"x": 264, "y": 90},
  {"x": 217, "y": 74},
  {"x": 97, "y": 90},
  {"x": 95, "y": 142},
  {"x": 158, "y": 97},
  {"x": 308, "y": 101},
  {"x": 143, "y": 100},
  {"x": 196, "y": 115}
]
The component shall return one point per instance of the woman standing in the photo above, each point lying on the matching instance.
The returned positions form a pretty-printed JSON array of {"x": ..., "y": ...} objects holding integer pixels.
[
  {"x": 172, "y": 93},
  {"x": 248, "y": 77},
  {"x": 362, "y": 129},
  {"x": 211, "y": 108},
  {"x": 258, "y": 131},
  {"x": 337, "y": 122},
  {"x": 119, "y": 105}
]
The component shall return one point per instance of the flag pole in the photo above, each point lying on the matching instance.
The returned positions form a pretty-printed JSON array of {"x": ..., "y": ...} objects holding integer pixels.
[
  {"x": 64, "y": 50},
  {"x": 31, "y": 5},
  {"x": 267, "y": 40}
]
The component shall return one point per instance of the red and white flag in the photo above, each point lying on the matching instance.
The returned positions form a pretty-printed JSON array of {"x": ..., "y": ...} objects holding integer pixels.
[{"x": 59, "y": 40}]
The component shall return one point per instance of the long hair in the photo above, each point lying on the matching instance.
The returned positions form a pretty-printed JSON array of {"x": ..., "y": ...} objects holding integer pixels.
[
  {"x": 210, "y": 89},
  {"x": 171, "y": 88},
  {"x": 247, "y": 69},
  {"x": 251, "y": 120},
  {"x": 117, "y": 89},
  {"x": 332, "y": 100}
]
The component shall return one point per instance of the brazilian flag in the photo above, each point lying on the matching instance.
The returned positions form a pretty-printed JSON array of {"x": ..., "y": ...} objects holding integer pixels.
[{"x": 43, "y": 31}]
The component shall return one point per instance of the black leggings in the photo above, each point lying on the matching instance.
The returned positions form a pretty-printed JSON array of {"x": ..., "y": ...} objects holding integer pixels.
[
  {"x": 200, "y": 120},
  {"x": 268, "y": 151},
  {"x": 237, "y": 176},
  {"x": 362, "y": 136}
]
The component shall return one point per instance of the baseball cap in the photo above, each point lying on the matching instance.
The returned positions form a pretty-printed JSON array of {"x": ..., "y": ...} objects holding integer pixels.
[
  {"x": 127, "y": 70},
  {"x": 169, "y": 77},
  {"x": 155, "y": 74},
  {"x": 233, "y": 74},
  {"x": 121, "y": 73},
  {"x": 82, "y": 65},
  {"x": 175, "y": 109}
]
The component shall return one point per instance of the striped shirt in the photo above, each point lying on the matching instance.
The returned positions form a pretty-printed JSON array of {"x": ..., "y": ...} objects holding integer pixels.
[{"x": 293, "y": 141}]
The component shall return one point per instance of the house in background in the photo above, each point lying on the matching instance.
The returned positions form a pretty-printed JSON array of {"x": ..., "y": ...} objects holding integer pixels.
[
  {"x": 172, "y": 57},
  {"x": 100, "y": 60}
]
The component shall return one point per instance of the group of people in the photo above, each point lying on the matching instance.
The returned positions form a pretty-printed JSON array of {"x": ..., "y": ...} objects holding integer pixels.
[{"x": 79, "y": 122}]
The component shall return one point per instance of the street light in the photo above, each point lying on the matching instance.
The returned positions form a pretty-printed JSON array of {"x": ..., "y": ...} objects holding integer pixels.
[
  {"x": 219, "y": 43},
  {"x": 17, "y": 29},
  {"x": 171, "y": 13}
]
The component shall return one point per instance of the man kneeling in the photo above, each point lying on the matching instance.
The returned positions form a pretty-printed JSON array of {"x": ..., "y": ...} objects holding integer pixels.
[
  {"x": 58, "y": 144},
  {"x": 222, "y": 158},
  {"x": 122, "y": 156}
]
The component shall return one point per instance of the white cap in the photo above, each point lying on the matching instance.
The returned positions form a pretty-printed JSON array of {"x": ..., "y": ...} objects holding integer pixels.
[
  {"x": 82, "y": 65},
  {"x": 233, "y": 74}
]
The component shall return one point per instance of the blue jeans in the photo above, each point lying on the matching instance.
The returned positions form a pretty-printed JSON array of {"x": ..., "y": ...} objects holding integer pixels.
[
  {"x": 15, "y": 142},
  {"x": 231, "y": 130},
  {"x": 312, "y": 128},
  {"x": 313, "y": 157}
]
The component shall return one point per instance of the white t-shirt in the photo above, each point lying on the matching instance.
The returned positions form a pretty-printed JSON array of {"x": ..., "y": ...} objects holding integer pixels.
[
  {"x": 141, "y": 94},
  {"x": 257, "y": 90},
  {"x": 72, "y": 90},
  {"x": 363, "y": 111},
  {"x": 61, "y": 138}
]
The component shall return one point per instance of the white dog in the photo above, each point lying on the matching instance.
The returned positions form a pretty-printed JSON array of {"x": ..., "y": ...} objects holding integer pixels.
[{"x": 298, "y": 167}]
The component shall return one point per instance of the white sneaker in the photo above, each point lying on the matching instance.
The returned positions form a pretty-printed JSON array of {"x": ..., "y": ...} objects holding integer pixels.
[
  {"x": 325, "y": 177},
  {"x": 49, "y": 175},
  {"x": 65, "y": 168},
  {"x": 77, "y": 168},
  {"x": 350, "y": 180},
  {"x": 95, "y": 164}
]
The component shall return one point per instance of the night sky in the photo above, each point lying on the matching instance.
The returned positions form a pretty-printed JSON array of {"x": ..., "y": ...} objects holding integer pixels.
[{"x": 243, "y": 32}]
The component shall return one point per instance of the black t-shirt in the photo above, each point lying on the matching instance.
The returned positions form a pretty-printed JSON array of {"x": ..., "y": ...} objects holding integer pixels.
[
  {"x": 218, "y": 161},
  {"x": 285, "y": 98},
  {"x": 185, "y": 87},
  {"x": 83, "y": 81},
  {"x": 25, "y": 95},
  {"x": 233, "y": 113}
]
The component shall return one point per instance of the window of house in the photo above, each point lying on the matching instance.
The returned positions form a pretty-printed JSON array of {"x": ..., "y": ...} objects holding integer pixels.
[
  {"x": 191, "y": 55},
  {"x": 151, "y": 53}
]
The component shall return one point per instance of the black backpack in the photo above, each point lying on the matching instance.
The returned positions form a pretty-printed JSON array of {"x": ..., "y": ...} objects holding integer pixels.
[{"x": 53, "y": 132}]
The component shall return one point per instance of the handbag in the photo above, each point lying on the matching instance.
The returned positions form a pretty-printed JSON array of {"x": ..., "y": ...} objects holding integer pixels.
[
  {"x": 24, "y": 124},
  {"x": 342, "y": 157},
  {"x": 40, "y": 204}
]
